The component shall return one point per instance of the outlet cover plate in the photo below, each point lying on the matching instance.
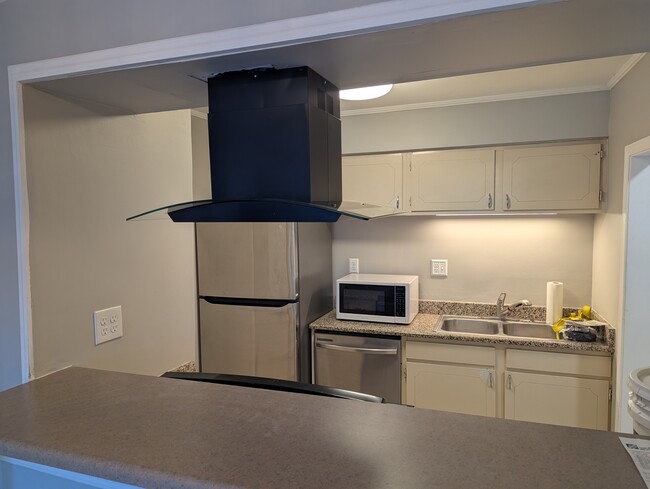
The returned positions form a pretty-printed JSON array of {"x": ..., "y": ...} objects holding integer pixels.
[
  {"x": 438, "y": 268},
  {"x": 353, "y": 265},
  {"x": 108, "y": 324}
]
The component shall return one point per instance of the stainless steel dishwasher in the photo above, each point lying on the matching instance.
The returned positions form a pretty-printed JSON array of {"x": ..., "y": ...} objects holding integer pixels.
[{"x": 368, "y": 364}]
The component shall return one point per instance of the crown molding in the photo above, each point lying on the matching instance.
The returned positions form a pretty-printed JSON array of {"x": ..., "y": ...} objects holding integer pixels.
[
  {"x": 625, "y": 69},
  {"x": 475, "y": 100}
]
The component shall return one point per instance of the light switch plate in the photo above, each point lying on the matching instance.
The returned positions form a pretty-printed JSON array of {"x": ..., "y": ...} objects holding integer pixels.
[
  {"x": 353, "y": 265},
  {"x": 438, "y": 268},
  {"x": 108, "y": 324}
]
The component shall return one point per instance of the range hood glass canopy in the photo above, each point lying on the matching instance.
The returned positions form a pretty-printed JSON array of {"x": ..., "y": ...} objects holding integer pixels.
[
  {"x": 265, "y": 210},
  {"x": 275, "y": 152}
]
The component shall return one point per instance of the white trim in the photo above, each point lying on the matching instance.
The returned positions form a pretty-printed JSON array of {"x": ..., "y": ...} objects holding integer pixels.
[
  {"x": 199, "y": 114},
  {"x": 632, "y": 150},
  {"x": 286, "y": 32},
  {"x": 359, "y": 20},
  {"x": 22, "y": 227},
  {"x": 624, "y": 70},
  {"x": 476, "y": 100}
]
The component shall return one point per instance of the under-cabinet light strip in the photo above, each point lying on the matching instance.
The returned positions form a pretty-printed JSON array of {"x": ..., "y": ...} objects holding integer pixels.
[{"x": 528, "y": 214}]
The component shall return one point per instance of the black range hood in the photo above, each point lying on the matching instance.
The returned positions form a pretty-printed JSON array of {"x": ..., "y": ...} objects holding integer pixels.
[{"x": 275, "y": 151}]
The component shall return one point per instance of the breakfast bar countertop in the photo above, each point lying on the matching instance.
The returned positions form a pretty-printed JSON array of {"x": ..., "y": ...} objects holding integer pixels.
[{"x": 169, "y": 433}]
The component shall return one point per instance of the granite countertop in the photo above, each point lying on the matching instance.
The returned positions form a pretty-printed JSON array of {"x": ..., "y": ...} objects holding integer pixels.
[
  {"x": 168, "y": 433},
  {"x": 424, "y": 327}
]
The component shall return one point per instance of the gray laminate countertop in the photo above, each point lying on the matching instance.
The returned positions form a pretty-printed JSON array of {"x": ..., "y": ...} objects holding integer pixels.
[
  {"x": 168, "y": 433},
  {"x": 424, "y": 325}
]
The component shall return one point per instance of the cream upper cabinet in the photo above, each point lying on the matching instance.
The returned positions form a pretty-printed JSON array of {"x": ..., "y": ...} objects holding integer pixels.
[
  {"x": 563, "y": 177},
  {"x": 468, "y": 385},
  {"x": 557, "y": 388},
  {"x": 373, "y": 179},
  {"x": 452, "y": 180},
  {"x": 543, "y": 177}
]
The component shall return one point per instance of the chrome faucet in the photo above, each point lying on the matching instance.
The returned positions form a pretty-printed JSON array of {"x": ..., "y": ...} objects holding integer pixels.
[{"x": 502, "y": 309}]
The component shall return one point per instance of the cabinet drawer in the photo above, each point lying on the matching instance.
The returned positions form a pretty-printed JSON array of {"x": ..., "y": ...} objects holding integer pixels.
[
  {"x": 440, "y": 352},
  {"x": 563, "y": 363}
]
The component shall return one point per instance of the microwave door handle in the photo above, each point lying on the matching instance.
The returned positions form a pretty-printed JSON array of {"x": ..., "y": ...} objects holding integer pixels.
[{"x": 354, "y": 349}]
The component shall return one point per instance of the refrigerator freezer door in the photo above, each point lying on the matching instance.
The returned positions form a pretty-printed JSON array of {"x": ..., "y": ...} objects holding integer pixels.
[
  {"x": 248, "y": 260},
  {"x": 246, "y": 340}
]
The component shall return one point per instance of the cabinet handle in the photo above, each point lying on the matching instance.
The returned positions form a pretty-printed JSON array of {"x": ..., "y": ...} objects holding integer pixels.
[
  {"x": 490, "y": 380},
  {"x": 509, "y": 382},
  {"x": 507, "y": 201},
  {"x": 354, "y": 349},
  {"x": 397, "y": 202},
  {"x": 489, "y": 201}
]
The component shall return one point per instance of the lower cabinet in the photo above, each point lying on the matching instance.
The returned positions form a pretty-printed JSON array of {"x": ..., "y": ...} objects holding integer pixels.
[
  {"x": 557, "y": 388},
  {"x": 564, "y": 389},
  {"x": 468, "y": 390},
  {"x": 466, "y": 384}
]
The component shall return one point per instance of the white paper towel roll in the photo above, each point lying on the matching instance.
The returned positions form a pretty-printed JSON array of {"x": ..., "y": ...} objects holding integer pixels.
[{"x": 554, "y": 298}]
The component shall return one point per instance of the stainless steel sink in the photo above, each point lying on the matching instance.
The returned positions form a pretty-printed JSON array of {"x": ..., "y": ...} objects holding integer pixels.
[
  {"x": 496, "y": 326},
  {"x": 528, "y": 330},
  {"x": 469, "y": 325}
]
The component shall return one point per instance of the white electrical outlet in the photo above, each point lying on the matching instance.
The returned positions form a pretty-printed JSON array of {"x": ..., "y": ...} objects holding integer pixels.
[
  {"x": 108, "y": 324},
  {"x": 438, "y": 268},
  {"x": 353, "y": 265}
]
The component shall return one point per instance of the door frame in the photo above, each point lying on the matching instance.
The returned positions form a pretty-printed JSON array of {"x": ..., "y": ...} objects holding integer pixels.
[
  {"x": 636, "y": 154},
  {"x": 374, "y": 17}
]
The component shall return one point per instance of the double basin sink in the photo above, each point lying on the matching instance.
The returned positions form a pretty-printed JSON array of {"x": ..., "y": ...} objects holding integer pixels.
[{"x": 496, "y": 326}]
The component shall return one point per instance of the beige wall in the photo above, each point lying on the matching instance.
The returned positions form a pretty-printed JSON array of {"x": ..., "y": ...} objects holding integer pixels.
[
  {"x": 487, "y": 256},
  {"x": 582, "y": 115},
  {"x": 85, "y": 174},
  {"x": 629, "y": 122},
  {"x": 201, "y": 185}
]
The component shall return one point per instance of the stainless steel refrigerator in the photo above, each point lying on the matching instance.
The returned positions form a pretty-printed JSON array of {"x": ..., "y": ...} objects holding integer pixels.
[{"x": 260, "y": 285}]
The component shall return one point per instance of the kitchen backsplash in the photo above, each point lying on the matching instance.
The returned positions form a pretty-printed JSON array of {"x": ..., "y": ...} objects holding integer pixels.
[{"x": 450, "y": 308}]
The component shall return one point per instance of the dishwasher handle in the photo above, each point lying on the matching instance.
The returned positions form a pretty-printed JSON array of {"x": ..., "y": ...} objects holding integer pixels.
[{"x": 354, "y": 349}]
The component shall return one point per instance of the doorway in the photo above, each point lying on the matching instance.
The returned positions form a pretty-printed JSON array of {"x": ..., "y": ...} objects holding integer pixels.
[{"x": 633, "y": 349}]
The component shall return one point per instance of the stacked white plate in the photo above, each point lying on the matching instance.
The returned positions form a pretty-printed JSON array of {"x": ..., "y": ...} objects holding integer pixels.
[{"x": 639, "y": 404}]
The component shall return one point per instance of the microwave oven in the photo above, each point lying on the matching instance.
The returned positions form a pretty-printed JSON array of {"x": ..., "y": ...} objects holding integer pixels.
[{"x": 377, "y": 298}]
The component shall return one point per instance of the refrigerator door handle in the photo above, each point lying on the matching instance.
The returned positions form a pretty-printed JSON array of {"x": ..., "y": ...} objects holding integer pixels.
[
  {"x": 354, "y": 349},
  {"x": 236, "y": 301}
]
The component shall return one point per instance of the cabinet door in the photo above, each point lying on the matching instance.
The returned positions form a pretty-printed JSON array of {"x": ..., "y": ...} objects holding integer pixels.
[
  {"x": 552, "y": 178},
  {"x": 452, "y": 180},
  {"x": 559, "y": 400},
  {"x": 373, "y": 179},
  {"x": 459, "y": 389}
]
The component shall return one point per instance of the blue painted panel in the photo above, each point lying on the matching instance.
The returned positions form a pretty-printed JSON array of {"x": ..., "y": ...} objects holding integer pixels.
[{"x": 19, "y": 474}]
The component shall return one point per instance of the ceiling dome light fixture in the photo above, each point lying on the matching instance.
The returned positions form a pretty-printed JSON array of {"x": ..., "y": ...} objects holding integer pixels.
[{"x": 365, "y": 93}]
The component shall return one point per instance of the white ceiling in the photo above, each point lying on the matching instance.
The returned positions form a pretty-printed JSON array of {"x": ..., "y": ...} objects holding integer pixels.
[{"x": 560, "y": 78}]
